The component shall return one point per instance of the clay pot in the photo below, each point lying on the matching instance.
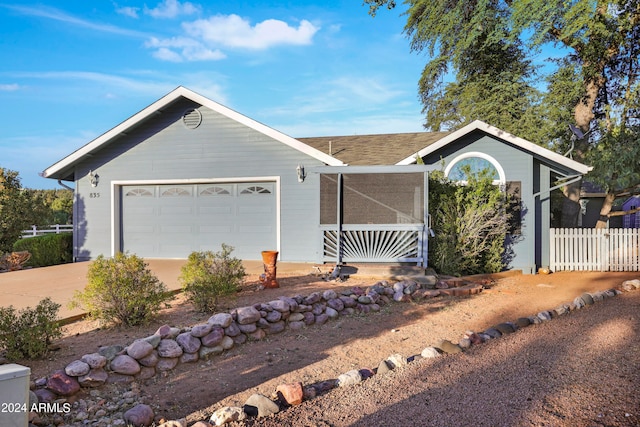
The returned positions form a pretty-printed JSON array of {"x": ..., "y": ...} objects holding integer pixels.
[{"x": 269, "y": 258}]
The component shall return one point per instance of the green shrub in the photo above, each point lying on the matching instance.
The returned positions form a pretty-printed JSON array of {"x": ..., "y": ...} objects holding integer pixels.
[
  {"x": 210, "y": 275},
  {"x": 26, "y": 334},
  {"x": 471, "y": 223},
  {"x": 50, "y": 249},
  {"x": 122, "y": 290}
]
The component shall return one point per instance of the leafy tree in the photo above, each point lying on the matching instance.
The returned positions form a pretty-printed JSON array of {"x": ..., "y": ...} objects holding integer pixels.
[
  {"x": 20, "y": 208},
  {"x": 594, "y": 85},
  {"x": 16, "y": 212}
]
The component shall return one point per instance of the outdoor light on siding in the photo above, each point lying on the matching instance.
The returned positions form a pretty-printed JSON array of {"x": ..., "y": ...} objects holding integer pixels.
[
  {"x": 94, "y": 178},
  {"x": 301, "y": 174}
]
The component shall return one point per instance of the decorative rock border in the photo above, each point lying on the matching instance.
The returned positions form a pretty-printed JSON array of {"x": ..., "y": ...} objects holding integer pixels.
[
  {"x": 169, "y": 346},
  {"x": 219, "y": 417}
]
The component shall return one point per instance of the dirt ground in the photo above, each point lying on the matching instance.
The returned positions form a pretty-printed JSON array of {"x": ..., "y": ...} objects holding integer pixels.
[{"x": 321, "y": 353}]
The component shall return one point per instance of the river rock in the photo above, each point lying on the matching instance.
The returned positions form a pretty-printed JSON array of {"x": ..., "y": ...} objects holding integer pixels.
[
  {"x": 349, "y": 378},
  {"x": 139, "y": 416},
  {"x": 202, "y": 329},
  {"x": 280, "y": 305},
  {"x": 430, "y": 353},
  {"x": 167, "y": 363},
  {"x": 213, "y": 338},
  {"x": 77, "y": 368},
  {"x": 150, "y": 361},
  {"x": 226, "y": 415},
  {"x": 62, "y": 384},
  {"x": 274, "y": 316},
  {"x": 94, "y": 378},
  {"x": 232, "y": 330},
  {"x": 188, "y": 342},
  {"x": 262, "y": 404},
  {"x": 169, "y": 348},
  {"x": 94, "y": 360},
  {"x": 247, "y": 315},
  {"x": 222, "y": 320},
  {"x": 139, "y": 349},
  {"x": 110, "y": 351},
  {"x": 397, "y": 360},
  {"x": 291, "y": 393},
  {"x": 125, "y": 364},
  {"x": 448, "y": 347}
]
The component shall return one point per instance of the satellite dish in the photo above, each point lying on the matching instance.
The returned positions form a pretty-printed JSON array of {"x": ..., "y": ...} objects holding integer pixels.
[{"x": 576, "y": 131}]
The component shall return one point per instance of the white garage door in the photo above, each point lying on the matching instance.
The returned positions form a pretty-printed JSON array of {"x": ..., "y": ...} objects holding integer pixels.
[{"x": 171, "y": 221}]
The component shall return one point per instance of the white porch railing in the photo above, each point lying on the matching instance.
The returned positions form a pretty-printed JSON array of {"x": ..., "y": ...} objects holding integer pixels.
[
  {"x": 57, "y": 229},
  {"x": 375, "y": 243},
  {"x": 590, "y": 249}
]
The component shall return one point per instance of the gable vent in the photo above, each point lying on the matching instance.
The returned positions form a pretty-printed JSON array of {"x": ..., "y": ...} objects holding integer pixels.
[{"x": 192, "y": 118}]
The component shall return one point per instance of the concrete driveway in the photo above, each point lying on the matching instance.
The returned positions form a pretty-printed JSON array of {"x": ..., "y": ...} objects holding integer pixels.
[{"x": 26, "y": 288}]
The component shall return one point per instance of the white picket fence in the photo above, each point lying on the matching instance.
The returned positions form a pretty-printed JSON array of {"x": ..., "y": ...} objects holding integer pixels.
[
  {"x": 57, "y": 229},
  {"x": 590, "y": 249}
]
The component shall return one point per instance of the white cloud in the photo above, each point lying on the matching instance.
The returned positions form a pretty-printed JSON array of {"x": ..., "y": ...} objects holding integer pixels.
[
  {"x": 172, "y": 9},
  {"x": 9, "y": 87},
  {"x": 237, "y": 32},
  {"x": 166, "y": 54},
  {"x": 189, "y": 50},
  {"x": 131, "y": 12}
]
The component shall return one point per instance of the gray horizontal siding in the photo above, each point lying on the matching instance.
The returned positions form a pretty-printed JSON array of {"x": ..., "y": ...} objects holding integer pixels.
[
  {"x": 162, "y": 148},
  {"x": 518, "y": 166}
]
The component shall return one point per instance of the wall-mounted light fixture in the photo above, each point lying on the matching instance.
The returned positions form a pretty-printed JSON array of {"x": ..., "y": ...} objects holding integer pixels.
[
  {"x": 301, "y": 173},
  {"x": 94, "y": 178}
]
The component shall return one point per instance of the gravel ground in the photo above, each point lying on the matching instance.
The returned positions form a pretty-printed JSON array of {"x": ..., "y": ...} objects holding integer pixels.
[{"x": 579, "y": 369}]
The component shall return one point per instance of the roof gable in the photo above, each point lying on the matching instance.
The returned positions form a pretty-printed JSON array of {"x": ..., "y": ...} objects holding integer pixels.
[
  {"x": 498, "y": 133},
  {"x": 61, "y": 168}
]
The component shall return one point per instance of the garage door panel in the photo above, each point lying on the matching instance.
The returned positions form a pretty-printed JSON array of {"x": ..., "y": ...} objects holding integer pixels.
[
  {"x": 255, "y": 229},
  {"x": 174, "y": 220},
  {"x": 215, "y": 210},
  {"x": 176, "y": 210},
  {"x": 215, "y": 229}
]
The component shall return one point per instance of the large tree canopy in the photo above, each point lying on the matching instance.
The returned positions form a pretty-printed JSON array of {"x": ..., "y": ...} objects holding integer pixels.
[{"x": 493, "y": 49}]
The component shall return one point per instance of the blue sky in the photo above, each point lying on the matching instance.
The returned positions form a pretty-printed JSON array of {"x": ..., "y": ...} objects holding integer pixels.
[{"x": 70, "y": 71}]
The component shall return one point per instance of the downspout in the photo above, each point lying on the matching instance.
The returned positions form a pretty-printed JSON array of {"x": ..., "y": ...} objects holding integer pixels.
[{"x": 65, "y": 185}]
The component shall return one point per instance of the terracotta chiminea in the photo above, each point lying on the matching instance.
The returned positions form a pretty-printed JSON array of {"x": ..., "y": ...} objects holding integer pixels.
[{"x": 269, "y": 258}]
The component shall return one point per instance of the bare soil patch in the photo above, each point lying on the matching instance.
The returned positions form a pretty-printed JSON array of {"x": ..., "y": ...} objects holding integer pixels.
[{"x": 319, "y": 353}]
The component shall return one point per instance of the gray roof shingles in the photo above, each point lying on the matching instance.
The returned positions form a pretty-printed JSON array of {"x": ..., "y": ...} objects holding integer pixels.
[{"x": 382, "y": 149}]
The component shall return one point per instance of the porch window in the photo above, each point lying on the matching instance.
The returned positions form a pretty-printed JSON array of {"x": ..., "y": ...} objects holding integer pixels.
[{"x": 390, "y": 198}]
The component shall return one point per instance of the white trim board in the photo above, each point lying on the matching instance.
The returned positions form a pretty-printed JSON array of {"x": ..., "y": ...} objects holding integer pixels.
[
  {"x": 498, "y": 133},
  {"x": 181, "y": 91}
]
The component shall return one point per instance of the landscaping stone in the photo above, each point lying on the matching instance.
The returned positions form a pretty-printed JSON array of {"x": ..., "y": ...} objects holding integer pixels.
[
  {"x": 226, "y": 415},
  {"x": 291, "y": 393},
  {"x": 77, "y": 368},
  {"x": 62, "y": 384},
  {"x": 188, "y": 342},
  {"x": 202, "y": 329},
  {"x": 169, "y": 348},
  {"x": 349, "y": 378},
  {"x": 139, "y": 416},
  {"x": 263, "y": 404},
  {"x": 125, "y": 364},
  {"x": 139, "y": 349},
  {"x": 222, "y": 320}
]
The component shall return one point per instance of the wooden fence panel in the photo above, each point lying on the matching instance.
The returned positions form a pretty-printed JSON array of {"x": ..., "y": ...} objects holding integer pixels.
[{"x": 590, "y": 249}]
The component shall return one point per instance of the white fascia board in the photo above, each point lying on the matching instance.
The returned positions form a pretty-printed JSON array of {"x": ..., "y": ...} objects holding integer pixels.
[
  {"x": 498, "y": 133},
  {"x": 186, "y": 93}
]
